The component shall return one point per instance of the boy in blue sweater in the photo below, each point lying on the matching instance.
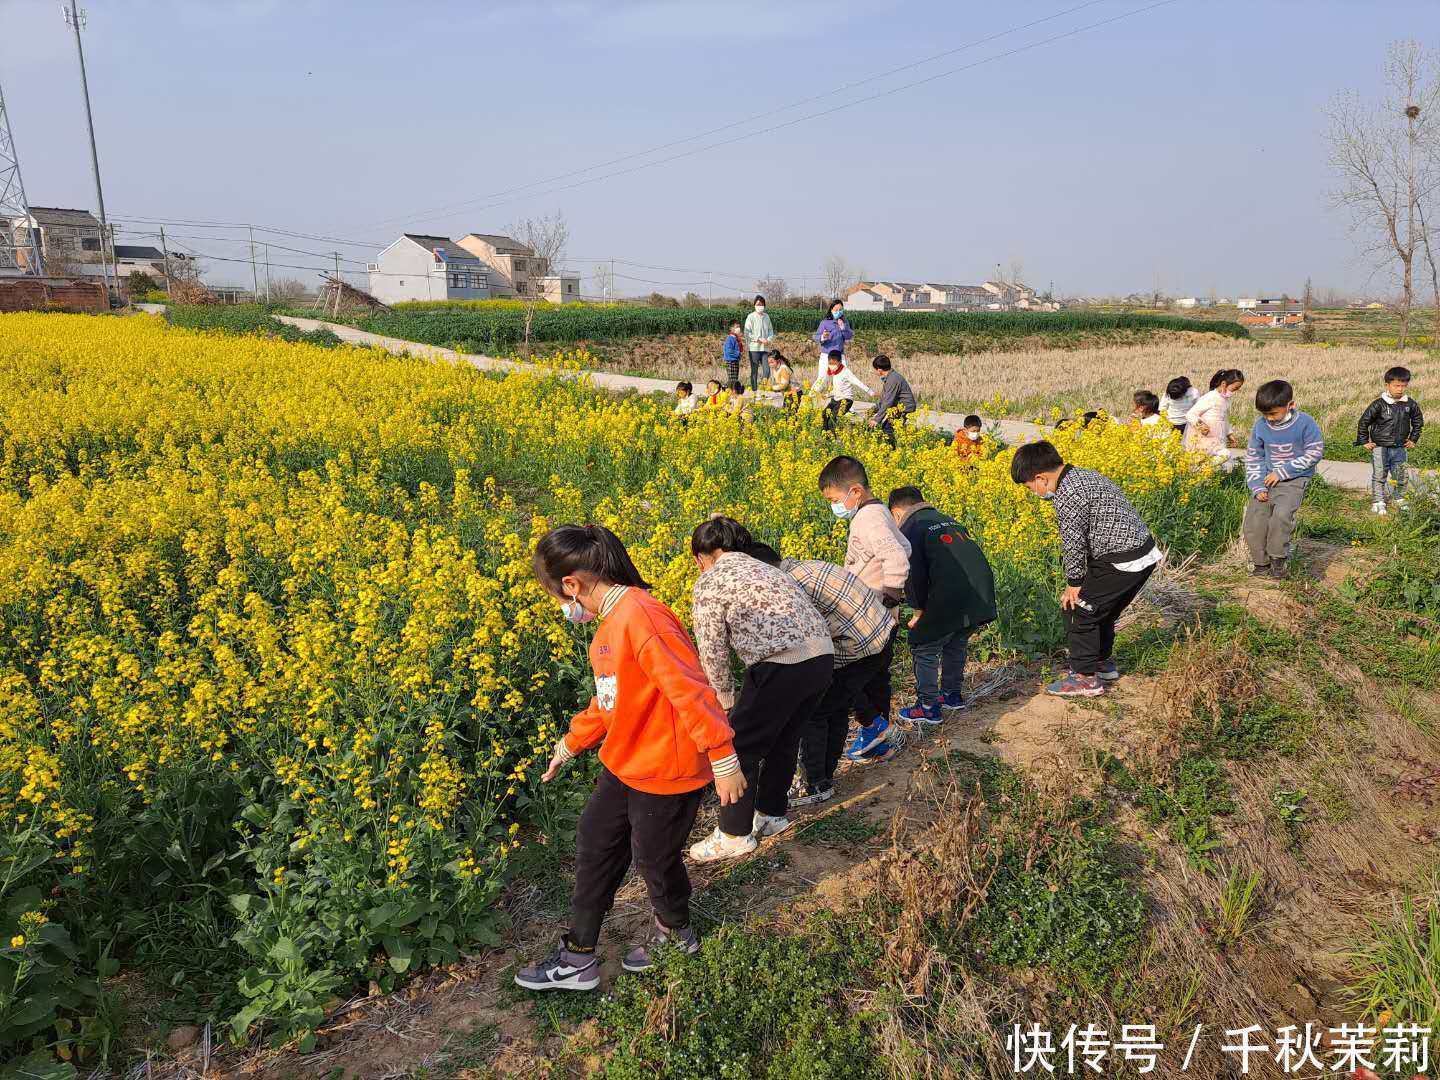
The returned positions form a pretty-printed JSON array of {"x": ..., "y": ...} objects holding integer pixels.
[
  {"x": 1285, "y": 446},
  {"x": 732, "y": 354}
]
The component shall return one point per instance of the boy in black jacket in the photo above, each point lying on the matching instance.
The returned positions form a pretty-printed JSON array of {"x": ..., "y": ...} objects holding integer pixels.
[
  {"x": 1389, "y": 429},
  {"x": 952, "y": 591}
]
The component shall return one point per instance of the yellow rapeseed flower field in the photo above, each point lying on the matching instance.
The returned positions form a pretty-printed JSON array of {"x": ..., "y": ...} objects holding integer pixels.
[{"x": 271, "y": 641}]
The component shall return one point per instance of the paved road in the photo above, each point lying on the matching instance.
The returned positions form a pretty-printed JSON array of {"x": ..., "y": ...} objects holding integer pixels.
[{"x": 1353, "y": 475}]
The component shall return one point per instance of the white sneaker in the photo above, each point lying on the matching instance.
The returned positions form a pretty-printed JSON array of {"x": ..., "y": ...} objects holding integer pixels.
[
  {"x": 765, "y": 825},
  {"x": 718, "y": 846},
  {"x": 1378, "y": 508},
  {"x": 1401, "y": 504}
]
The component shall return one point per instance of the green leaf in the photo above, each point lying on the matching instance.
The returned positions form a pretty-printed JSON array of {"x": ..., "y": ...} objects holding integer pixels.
[
  {"x": 377, "y": 917},
  {"x": 57, "y": 935},
  {"x": 399, "y": 954},
  {"x": 285, "y": 951},
  {"x": 241, "y": 902},
  {"x": 307, "y": 1043}
]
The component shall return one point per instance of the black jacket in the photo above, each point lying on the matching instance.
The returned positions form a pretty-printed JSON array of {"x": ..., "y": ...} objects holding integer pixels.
[
  {"x": 950, "y": 580},
  {"x": 1390, "y": 424}
]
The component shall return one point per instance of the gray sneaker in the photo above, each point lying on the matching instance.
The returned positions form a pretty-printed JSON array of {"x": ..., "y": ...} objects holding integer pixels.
[
  {"x": 1107, "y": 672},
  {"x": 565, "y": 970},
  {"x": 642, "y": 957}
]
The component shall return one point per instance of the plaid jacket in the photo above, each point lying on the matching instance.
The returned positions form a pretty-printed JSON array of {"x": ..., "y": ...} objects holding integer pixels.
[
  {"x": 1096, "y": 522},
  {"x": 858, "y": 621}
]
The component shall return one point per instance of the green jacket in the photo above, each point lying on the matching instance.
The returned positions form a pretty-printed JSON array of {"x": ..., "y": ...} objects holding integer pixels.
[
  {"x": 758, "y": 328},
  {"x": 950, "y": 580}
]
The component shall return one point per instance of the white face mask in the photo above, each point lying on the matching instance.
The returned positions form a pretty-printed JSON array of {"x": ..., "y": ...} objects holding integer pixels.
[
  {"x": 760, "y": 308},
  {"x": 973, "y": 436},
  {"x": 841, "y": 511},
  {"x": 576, "y": 612}
]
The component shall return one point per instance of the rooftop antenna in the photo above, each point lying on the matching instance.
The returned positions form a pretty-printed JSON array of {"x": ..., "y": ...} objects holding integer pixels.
[{"x": 14, "y": 210}]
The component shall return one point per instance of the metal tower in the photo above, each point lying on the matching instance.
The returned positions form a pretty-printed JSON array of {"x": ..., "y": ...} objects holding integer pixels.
[{"x": 19, "y": 244}]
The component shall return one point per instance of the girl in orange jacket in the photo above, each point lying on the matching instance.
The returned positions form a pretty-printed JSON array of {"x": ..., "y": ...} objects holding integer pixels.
[{"x": 662, "y": 736}]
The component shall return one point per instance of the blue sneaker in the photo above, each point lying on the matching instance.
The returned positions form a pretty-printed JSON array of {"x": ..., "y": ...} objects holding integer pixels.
[
  {"x": 868, "y": 736},
  {"x": 952, "y": 699},
  {"x": 881, "y": 751},
  {"x": 921, "y": 713}
]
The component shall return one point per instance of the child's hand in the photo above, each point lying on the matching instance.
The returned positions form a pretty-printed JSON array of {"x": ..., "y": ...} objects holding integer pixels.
[
  {"x": 1409, "y": 444},
  {"x": 1263, "y": 495},
  {"x": 730, "y": 788},
  {"x": 1371, "y": 445},
  {"x": 1070, "y": 597},
  {"x": 915, "y": 618},
  {"x": 557, "y": 762},
  {"x": 1271, "y": 479},
  {"x": 1204, "y": 427}
]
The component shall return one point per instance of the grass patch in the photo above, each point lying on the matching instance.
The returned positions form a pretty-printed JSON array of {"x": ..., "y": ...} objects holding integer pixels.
[
  {"x": 840, "y": 828},
  {"x": 1397, "y": 970},
  {"x": 718, "y": 901}
]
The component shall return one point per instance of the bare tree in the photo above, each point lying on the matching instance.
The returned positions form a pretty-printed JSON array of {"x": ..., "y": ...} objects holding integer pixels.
[
  {"x": 289, "y": 290},
  {"x": 839, "y": 275},
  {"x": 1385, "y": 157},
  {"x": 1016, "y": 275},
  {"x": 1434, "y": 275},
  {"x": 547, "y": 238},
  {"x": 774, "y": 289},
  {"x": 604, "y": 277}
]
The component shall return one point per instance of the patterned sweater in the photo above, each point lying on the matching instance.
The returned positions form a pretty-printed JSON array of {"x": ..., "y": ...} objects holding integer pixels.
[
  {"x": 1290, "y": 450},
  {"x": 1096, "y": 522},
  {"x": 759, "y": 611}
]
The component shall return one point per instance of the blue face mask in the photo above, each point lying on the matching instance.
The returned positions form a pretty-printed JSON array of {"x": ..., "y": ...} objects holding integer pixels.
[
  {"x": 841, "y": 511},
  {"x": 576, "y": 612},
  {"x": 837, "y": 314}
]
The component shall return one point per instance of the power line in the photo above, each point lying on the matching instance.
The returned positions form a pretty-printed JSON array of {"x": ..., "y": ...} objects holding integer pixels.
[{"x": 449, "y": 208}]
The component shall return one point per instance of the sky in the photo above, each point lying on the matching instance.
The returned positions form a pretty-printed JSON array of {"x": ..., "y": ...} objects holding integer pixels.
[{"x": 1178, "y": 146}]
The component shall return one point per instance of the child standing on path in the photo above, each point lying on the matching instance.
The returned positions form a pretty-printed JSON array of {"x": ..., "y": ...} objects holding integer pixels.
[
  {"x": 662, "y": 738},
  {"x": 1207, "y": 423},
  {"x": 1389, "y": 428},
  {"x": 732, "y": 355},
  {"x": 1285, "y": 446},
  {"x": 740, "y": 603},
  {"x": 951, "y": 591},
  {"x": 878, "y": 555},
  {"x": 1108, "y": 553},
  {"x": 859, "y": 626}
]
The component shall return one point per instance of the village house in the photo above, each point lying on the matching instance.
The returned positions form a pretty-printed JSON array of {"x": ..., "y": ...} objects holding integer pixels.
[
  {"x": 70, "y": 240},
  {"x": 517, "y": 271},
  {"x": 422, "y": 267},
  {"x": 938, "y": 296}
]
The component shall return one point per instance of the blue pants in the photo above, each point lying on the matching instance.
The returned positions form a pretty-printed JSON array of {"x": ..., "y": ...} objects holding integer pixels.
[
  {"x": 940, "y": 666},
  {"x": 759, "y": 361},
  {"x": 1388, "y": 461}
]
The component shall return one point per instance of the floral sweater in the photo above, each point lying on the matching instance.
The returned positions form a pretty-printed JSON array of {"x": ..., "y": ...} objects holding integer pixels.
[{"x": 759, "y": 611}]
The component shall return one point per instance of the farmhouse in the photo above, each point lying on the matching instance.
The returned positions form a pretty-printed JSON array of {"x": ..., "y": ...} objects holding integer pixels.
[
  {"x": 1275, "y": 312},
  {"x": 70, "y": 240},
  {"x": 938, "y": 296},
  {"x": 422, "y": 267},
  {"x": 515, "y": 269}
]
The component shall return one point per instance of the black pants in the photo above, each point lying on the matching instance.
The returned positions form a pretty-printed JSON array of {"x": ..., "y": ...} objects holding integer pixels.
[
  {"x": 837, "y": 408},
  {"x": 619, "y": 826},
  {"x": 823, "y": 740},
  {"x": 876, "y": 691},
  {"x": 1104, "y": 594},
  {"x": 776, "y": 702},
  {"x": 792, "y": 400},
  {"x": 732, "y": 372}
]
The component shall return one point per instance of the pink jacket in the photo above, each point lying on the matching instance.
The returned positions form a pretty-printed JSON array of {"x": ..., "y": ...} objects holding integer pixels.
[{"x": 1213, "y": 410}]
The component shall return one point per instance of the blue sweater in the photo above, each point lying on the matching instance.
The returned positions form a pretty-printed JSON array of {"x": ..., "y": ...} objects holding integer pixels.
[
  {"x": 1290, "y": 450},
  {"x": 732, "y": 348}
]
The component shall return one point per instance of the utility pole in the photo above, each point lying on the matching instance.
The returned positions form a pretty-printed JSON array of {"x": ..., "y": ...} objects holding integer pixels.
[
  {"x": 709, "y": 289},
  {"x": 165, "y": 254},
  {"x": 267, "y": 273},
  {"x": 13, "y": 205},
  {"x": 254, "y": 274},
  {"x": 75, "y": 18},
  {"x": 337, "y": 283}
]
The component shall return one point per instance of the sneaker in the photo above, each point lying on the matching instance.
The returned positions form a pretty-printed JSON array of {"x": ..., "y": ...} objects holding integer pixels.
[
  {"x": 1260, "y": 571},
  {"x": 1402, "y": 504},
  {"x": 811, "y": 794},
  {"x": 718, "y": 846},
  {"x": 1277, "y": 568},
  {"x": 921, "y": 713},
  {"x": 1378, "y": 508},
  {"x": 769, "y": 825},
  {"x": 882, "y": 751},
  {"x": 953, "y": 700},
  {"x": 565, "y": 970},
  {"x": 1107, "y": 672},
  {"x": 868, "y": 736},
  {"x": 1074, "y": 685},
  {"x": 642, "y": 957}
]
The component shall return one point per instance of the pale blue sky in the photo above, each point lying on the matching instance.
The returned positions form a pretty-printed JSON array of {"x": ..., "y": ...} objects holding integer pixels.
[{"x": 1182, "y": 145}]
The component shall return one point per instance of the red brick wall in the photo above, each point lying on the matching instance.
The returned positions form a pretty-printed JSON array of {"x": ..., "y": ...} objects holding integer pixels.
[{"x": 52, "y": 294}]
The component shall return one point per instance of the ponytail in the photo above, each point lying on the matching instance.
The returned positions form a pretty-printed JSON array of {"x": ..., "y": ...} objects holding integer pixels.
[{"x": 585, "y": 549}]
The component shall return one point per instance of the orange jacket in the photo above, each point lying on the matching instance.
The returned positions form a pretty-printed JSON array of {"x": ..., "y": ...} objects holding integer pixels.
[
  {"x": 968, "y": 449},
  {"x": 659, "y": 724}
]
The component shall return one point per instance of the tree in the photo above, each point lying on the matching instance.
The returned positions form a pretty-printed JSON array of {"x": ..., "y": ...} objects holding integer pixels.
[
  {"x": 137, "y": 282},
  {"x": 693, "y": 300},
  {"x": 547, "y": 238},
  {"x": 839, "y": 275},
  {"x": 774, "y": 289},
  {"x": 604, "y": 279},
  {"x": 288, "y": 290},
  {"x": 1386, "y": 159}
]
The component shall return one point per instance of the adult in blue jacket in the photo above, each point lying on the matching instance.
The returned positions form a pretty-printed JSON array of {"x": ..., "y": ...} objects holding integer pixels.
[{"x": 832, "y": 334}]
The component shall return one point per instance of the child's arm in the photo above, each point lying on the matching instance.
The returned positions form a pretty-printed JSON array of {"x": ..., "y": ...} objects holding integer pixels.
[
  {"x": 1309, "y": 457},
  {"x": 1255, "y": 461},
  {"x": 894, "y": 561},
  {"x": 1367, "y": 420},
  {"x": 917, "y": 581},
  {"x": 587, "y": 728},
  {"x": 712, "y": 639},
  {"x": 1193, "y": 414},
  {"x": 670, "y": 664},
  {"x": 1074, "y": 524},
  {"x": 1417, "y": 423},
  {"x": 857, "y": 386}
]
